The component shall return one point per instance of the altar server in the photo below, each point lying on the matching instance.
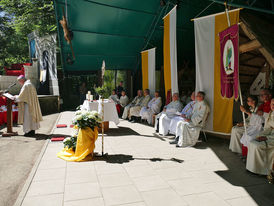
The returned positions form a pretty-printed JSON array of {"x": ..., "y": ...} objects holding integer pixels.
[
  {"x": 152, "y": 108},
  {"x": 185, "y": 113},
  {"x": 238, "y": 130},
  {"x": 260, "y": 157},
  {"x": 123, "y": 101},
  {"x": 136, "y": 101},
  {"x": 188, "y": 130},
  {"x": 29, "y": 112},
  {"x": 135, "y": 110},
  {"x": 169, "y": 111},
  {"x": 114, "y": 97}
]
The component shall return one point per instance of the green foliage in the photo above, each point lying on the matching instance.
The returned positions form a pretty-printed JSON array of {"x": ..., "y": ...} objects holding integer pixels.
[
  {"x": 18, "y": 18},
  {"x": 70, "y": 142}
]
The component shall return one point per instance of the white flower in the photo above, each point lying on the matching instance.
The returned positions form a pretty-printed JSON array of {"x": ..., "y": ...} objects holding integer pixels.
[
  {"x": 79, "y": 117},
  {"x": 67, "y": 139}
]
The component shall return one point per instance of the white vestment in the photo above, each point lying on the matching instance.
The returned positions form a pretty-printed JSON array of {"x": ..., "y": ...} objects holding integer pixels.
[
  {"x": 254, "y": 128},
  {"x": 236, "y": 134},
  {"x": 260, "y": 157},
  {"x": 187, "y": 111},
  {"x": 29, "y": 108},
  {"x": 136, "y": 101},
  {"x": 135, "y": 110},
  {"x": 188, "y": 132},
  {"x": 114, "y": 98},
  {"x": 165, "y": 117},
  {"x": 152, "y": 108},
  {"x": 123, "y": 101}
]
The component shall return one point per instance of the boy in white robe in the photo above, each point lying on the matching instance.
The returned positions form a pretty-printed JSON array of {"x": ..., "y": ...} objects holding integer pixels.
[
  {"x": 152, "y": 108},
  {"x": 169, "y": 111},
  {"x": 123, "y": 101},
  {"x": 185, "y": 113},
  {"x": 188, "y": 130},
  {"x": 29, "y": 112},
  {"x": 260, "y": 156},
  {"x": 238, "y": 130},
  {"x": 114, "y": 97}
]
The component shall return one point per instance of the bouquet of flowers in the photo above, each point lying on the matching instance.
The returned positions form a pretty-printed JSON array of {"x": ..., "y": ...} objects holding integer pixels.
[
  {"x": 70, "y": 142},
  {"x": 85, "y": 118}
]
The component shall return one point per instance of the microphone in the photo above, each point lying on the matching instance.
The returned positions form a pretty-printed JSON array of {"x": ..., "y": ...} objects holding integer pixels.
[{"x": 10, "y": 86}]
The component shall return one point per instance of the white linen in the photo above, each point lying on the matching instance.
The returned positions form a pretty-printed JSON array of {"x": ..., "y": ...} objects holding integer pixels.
[
  {"x": 259, "y": 157},
  {"x": 188, "y": 132},
  {"x": 254, "y": 128},
  {"x": 110, "y": 111},
  {"x": 236, "y": 135}
]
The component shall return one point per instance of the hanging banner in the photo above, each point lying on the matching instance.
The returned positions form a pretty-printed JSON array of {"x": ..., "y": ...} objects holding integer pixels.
[
  {"x": 170, "y": 52},
  {"x": 148, "y": 69},
  {"x": 208, "y": 74},
  {"x": 229, "y": 45}
]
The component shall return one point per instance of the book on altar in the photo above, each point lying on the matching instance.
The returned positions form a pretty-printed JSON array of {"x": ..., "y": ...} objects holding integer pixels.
[{"x": 9, "y": 96}]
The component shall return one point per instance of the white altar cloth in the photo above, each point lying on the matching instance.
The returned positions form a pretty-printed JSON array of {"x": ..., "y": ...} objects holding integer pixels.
[{"x": 110, "y": 111}]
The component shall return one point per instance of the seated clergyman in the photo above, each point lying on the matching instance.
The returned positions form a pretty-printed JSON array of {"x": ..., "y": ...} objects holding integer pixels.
[
  {"x": 238, "y": 130},
  {"x": 185, "y": 113},
  {"x": 163, "y": 119},
  {"x": 260, "y": 157},
  {"x": 136, "y": 101},
  {"x": 188, "y": 130},
  {"x": 152, "y": 108},
  {"x": 135, "y": 110}
]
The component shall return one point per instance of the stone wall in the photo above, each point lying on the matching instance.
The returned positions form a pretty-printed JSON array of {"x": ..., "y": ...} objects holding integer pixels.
[{"x": 5, "y": 81}]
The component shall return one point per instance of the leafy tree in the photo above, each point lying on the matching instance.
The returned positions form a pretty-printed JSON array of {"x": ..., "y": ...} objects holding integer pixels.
[{"x": 18, "y": 18}]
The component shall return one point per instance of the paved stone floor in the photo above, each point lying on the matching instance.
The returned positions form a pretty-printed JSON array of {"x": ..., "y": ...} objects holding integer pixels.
[{"x": 144, "y": 169}]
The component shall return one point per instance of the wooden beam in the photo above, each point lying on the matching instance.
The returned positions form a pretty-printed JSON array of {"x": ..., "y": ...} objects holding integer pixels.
[
  {"x": 267, "y": 55},
  {"x": 249, "y": 46}
]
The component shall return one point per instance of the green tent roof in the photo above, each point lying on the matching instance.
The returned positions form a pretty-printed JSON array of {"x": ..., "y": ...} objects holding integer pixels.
[{"x": 118, "y": 30}]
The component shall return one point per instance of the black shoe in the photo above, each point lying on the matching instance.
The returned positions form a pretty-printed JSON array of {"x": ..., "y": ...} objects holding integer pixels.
[
  {"x": 173, "y": 142},
  {"x": 178, "y": 146},
  {"x": 30, "y": 134}
]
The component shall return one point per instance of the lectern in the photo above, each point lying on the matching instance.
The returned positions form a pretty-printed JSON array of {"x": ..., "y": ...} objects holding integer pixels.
[{"x": 9, "y": 116}]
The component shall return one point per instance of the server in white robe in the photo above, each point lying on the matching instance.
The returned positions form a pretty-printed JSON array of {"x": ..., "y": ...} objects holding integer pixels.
[
  {"x": 185, "y": 113},
  {"x": 29, "y": 112},
  {"x": 152, "y": 108},
  {"x": 136, "y": 101},
  {"x": 238, "y": 130},
  {"x": 188, "y": 130},
  {"x": 260, "y": 156},
  {"x": 123, "y": 101},
  {"x": 135, "y": 110},
  {"x": 169, "y": 111},
  {"x": 114, "y": 97}
]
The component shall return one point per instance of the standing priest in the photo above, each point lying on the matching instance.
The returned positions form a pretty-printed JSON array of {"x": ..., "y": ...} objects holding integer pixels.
[{"x": 29, "y": 112}]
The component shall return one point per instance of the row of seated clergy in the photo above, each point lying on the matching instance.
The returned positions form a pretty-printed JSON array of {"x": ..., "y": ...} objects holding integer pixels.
[
  {"x": 120, "y": 102},
  {"x": 188, "y": 127},
  {"x": 239, "y": 139},
  {"x": 137, "y": 101},
  {"x": 153, "y": 107},
  {"x": 260, "y": 157},
  {"x": 135, "y": 110}
]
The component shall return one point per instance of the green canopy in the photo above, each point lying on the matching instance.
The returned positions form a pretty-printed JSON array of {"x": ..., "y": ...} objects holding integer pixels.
[{"x": 117, "y": 31}]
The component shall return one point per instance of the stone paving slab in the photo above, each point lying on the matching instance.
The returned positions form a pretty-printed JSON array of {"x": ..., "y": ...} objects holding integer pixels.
[{"x": 143, "y": 169}]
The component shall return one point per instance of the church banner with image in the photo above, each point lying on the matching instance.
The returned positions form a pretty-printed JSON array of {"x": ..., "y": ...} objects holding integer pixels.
[{"x": 229, "y": 44}]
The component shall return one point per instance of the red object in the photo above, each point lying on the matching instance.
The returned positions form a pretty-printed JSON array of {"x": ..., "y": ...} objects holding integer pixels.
[
  {"x": 15, "y": 116},
  {"x": 71, "y": 126},
  {"x": 2, "y": 118},
  {"x": 55, "y": 139},
  {"x": 16, "y": 69},
  {"x": 265, "y": 107},
  {"x": 168, "y": 97},
  {"x": 61, "y": 125},
  {"x": 118, "y": 107},
  {"x": 244, "y": 151},
  {"x": 3, "y": 101}
]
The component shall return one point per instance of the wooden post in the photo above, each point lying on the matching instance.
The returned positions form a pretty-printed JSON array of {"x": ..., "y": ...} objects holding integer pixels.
[{"x": 9, "y": 120}]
